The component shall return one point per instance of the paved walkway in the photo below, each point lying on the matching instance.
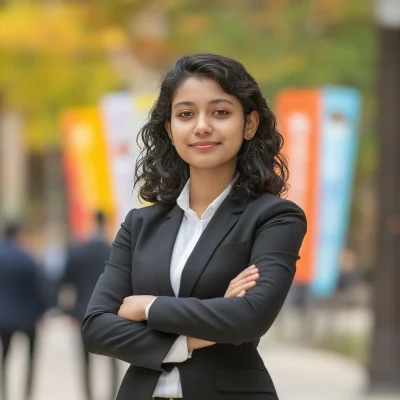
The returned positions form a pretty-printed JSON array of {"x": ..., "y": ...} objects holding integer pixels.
[
  {"x": 305, "y": 374},
  {"x": 299, "y": 374}
]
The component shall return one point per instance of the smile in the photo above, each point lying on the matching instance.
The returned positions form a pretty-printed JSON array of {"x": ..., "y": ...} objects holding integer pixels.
[{"x": 204, "y": 145}]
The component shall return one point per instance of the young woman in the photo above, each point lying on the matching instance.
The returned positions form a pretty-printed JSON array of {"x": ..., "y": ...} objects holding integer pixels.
[{"x": 195, "y": 280}]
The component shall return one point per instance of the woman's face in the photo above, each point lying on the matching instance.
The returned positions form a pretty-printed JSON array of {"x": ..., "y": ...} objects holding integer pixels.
[{"x": 207, "y": 125}]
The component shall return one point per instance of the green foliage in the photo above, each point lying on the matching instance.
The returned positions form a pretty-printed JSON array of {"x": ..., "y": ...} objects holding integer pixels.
[
  {"x": 50, "y": 61},
  {"x": 56, "y": 54},
  {"x": 284, "y": 43}
]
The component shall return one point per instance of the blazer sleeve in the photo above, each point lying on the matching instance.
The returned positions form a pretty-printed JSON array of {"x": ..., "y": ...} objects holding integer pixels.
[
  {"x": 239, "y": 320},
  {"x": 104, "y": 332}
]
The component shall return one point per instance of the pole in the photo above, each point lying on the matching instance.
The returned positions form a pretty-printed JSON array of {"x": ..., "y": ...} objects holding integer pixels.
[{"x": 384, "y": 365}]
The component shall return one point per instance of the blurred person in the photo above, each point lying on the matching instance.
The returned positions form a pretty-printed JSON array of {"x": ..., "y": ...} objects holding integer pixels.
[
  {"x": 23, "y": 298},
  {"x": 299, "y": 295},
  {"x": 196, "y": 279},
  {"x": 54, "y": 260},
  {"x": 349, "y": 276},
  {"x": 85, "y": 263}
]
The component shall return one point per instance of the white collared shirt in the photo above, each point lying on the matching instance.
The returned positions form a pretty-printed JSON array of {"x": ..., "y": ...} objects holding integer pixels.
[{"x": 169, "y": 384}]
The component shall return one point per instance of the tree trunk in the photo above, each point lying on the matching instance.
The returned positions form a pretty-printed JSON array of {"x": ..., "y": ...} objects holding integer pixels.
[{"x": 385, "y": 348}]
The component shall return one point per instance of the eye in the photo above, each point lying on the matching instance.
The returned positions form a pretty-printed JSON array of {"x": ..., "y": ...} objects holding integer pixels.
[
  {"x": 186, "y": 114},
  {"x": 221, "y": 112}
]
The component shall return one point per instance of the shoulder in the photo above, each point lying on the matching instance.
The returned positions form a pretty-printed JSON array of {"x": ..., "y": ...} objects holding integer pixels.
[
  {"x": 24, "y": 261},
  {"x": 153, "y": 210},
  {"x": 138, "y": 216},
  {"x": 268, "y": 207}
]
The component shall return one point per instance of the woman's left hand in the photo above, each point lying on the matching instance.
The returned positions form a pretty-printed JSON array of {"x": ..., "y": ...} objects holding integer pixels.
[{"x": 134, "y": 307}]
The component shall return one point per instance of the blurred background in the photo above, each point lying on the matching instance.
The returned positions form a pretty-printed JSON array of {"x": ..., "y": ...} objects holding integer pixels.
[{"x": 77, "y": 78}]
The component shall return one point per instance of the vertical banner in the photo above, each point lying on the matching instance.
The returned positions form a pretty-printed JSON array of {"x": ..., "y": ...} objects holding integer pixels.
[
  {"x": 339, "y": 127},
  {"x": 13, "y": 162},
  {"x": 118, "y": 121},
  {"x": 298, "y": 119},
  {"x": 86, "y": 169},
  {"x": 124, "y": 114}
]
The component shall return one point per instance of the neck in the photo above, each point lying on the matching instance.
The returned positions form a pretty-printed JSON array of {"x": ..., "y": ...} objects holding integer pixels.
[{"x": 206, "y": 186}]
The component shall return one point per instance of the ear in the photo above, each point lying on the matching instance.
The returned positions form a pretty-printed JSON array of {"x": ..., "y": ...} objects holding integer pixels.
[
  {"x": 252, "y": 122},
  {"x": 168, "y": 129}
]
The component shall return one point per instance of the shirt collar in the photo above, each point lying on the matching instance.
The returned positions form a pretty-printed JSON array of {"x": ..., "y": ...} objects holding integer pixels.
[{"x": 183, "y": 200}]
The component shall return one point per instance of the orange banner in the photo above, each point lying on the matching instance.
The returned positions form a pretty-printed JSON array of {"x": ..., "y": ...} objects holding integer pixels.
[
  {"x": 298, "y": 114},
  {"x": 86, "y": 168}
]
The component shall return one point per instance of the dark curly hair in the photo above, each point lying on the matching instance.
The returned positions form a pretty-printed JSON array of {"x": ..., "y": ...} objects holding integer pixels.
[{"x": 161, "y": 173}]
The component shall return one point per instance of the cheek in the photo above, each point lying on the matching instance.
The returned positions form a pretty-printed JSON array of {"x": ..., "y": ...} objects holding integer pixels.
[
  {"x": 182, "y": 152},
  {"x": 237, "y": 142},
  {"x": 179, "y": 136},
  {"x": 233, "y": 132},
  {"x": 180, "y": 132},
  {"x": 181, "y": 148},
  {"x": 233, "y": 143}
]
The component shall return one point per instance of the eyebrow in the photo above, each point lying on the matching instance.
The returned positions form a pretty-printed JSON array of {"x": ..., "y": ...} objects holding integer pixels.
[{"x": 215, "y": 101}]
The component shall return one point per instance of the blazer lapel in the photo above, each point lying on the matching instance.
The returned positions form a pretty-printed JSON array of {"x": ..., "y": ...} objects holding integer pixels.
[
  {"x": 164, "y": 246},
  {"x": 222, "y": 222}
]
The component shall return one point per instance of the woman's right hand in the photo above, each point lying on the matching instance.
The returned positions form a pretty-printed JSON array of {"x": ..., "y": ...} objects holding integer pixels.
[{"x": 237, "y": 288}]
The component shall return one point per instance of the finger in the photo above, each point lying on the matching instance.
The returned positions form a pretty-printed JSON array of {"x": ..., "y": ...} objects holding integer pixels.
[
  {"x": 241, "y": 294},
  {"x": 243, "y": 281},
  {"x": 245, "y": 286},
  {"x": 248, "y": 271},
  {"x": 249, "y": 285}
]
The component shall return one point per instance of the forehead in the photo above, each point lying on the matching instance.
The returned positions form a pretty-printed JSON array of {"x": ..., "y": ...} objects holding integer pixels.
[{"x": 201, "y": 91}]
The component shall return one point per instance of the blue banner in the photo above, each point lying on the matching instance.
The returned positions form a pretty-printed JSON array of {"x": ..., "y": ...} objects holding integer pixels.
[{"x": 340, "y": 114}]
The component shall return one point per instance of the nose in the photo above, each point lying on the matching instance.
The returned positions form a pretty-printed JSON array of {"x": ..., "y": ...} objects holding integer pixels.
[{"x": 203, "y": 126}]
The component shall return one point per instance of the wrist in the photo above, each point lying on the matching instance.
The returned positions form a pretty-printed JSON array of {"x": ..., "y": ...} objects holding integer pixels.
[
  {"x": 195, "y": 344},
  {"x": 189, "y": 343}
]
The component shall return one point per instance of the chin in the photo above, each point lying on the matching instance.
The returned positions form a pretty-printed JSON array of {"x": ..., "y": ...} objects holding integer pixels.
[
  {"x": 207, "y": 163},
  {"x": 206, "y": 166}
]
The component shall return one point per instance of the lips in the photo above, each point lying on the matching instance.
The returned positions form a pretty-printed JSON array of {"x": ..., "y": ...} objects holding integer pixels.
[{"x": 204, "y": 145}]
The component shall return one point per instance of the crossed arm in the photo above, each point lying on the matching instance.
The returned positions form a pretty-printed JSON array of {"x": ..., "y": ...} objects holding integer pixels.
[{"x": 225, "y": 320}]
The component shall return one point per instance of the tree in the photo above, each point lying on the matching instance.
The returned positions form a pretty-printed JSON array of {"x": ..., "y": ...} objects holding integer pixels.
[{"x": 385, "y": 350}]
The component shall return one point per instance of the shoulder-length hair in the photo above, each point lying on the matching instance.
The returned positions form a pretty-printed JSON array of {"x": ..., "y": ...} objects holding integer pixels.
[{"x": 161, "y": 173}]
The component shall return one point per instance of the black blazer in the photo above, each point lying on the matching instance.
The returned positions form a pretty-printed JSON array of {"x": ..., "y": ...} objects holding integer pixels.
[
  {"x": 266, "y": 231},
  {"x": 24, "y": 296}
]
